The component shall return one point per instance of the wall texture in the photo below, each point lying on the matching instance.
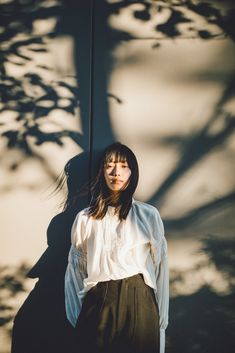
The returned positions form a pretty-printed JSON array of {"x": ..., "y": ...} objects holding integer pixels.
[{"x": 156, "y": 75}]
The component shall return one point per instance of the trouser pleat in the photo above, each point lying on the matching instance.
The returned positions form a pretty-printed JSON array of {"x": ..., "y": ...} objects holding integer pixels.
[{"x": 119, "y": 317}]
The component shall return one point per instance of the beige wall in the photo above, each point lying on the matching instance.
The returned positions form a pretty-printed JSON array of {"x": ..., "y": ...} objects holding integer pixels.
[{"x": 171, "y": 100}]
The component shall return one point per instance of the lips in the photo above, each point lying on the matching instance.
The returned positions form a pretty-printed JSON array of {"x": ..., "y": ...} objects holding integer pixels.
[{"x": 116, "y": 181}]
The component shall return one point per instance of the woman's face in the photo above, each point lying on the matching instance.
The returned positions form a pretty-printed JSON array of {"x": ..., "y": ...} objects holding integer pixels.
[{"x": 117, "y": 175}]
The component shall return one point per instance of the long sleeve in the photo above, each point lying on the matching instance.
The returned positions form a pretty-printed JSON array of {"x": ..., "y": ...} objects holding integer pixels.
[
  {"x": 75, "y": 273},
  {"x": 162, "y": 277},
  {"x": 163, "y": 293},
  {"x": 74, "y": 287}
]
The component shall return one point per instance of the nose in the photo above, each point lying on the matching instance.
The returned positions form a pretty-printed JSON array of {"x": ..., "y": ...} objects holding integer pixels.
[{"x": 115, "y": 171}]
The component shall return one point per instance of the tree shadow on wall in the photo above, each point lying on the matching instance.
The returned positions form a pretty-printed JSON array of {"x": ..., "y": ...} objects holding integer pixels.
[
  {"x": 40, "y": 325},
  {"x": 31, "y": 98},
  {"x": 199, "y": 323},
  {"x": 199, "y": 144},
  {"x": 203, "y": 321},
  {"x": 11, "y": 284}
]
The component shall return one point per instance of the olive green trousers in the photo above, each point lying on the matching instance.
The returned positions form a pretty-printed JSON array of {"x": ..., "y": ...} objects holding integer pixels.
[{"x": 119, "y": 316}]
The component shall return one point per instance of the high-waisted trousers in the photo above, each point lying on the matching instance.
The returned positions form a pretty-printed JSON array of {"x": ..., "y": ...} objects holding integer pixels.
[{"x": 119, "y": 316}]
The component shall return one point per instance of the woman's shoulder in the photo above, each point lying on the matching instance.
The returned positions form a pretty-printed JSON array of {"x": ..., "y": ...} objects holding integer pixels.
[
  {"x": 83, "y": 214},
  {"x": 145, "y": 207}
]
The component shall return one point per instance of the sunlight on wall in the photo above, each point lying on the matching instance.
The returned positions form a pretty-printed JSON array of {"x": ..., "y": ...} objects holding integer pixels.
[
  {"x": 172, "y": 109},
  {"x": 40, "y": 112},
  {"x": 47, "y": 74},
  {"x": 190, "y": 268},
  {"x": 125, "y": 21},
  {"x": 13, "y": 300},
  {"x": 173, "y": 112},
  {"x": 164, "y": 104}
]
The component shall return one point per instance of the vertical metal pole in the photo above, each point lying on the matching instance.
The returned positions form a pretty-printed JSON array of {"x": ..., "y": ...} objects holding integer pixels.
[{"x": 91, "y": 83}]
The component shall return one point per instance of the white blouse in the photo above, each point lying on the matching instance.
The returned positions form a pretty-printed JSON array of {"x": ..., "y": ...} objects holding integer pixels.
[{"x": 110, "y": 249}]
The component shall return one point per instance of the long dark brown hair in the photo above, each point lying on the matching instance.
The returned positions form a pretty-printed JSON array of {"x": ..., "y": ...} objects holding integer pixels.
[
  {"x": 100, "y": 194},
  {"x": 74, "y": 181}
]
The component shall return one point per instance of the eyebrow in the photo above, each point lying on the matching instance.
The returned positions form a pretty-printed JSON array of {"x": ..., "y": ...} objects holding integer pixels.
[{"x": 115, "y": 161}]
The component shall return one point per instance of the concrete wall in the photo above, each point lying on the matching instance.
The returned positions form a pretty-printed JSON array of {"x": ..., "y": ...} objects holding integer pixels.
[{"x": 96, "y": 72}]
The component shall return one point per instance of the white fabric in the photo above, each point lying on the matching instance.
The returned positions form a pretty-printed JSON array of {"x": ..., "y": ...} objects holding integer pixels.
[{"x": 108, "y": 249}]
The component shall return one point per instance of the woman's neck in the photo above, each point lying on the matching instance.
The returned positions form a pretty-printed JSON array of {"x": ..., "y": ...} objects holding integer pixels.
[{"x": 114, "y": 199}]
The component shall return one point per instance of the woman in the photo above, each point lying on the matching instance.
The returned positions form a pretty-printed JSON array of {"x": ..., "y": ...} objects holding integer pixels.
[{"x": 116, "y": 282}]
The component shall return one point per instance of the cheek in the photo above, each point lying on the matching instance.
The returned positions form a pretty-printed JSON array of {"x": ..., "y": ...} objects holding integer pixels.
[
  {"x": 128, "y": 174},
  {"x": 106, "y": 176}
]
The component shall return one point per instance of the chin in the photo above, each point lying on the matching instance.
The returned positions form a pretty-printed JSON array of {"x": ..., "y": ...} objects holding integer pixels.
[{"x": 116, "y": 189}]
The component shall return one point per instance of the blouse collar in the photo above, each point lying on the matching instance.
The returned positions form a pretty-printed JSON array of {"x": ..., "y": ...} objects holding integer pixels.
[{"x": 111, "y": 209}]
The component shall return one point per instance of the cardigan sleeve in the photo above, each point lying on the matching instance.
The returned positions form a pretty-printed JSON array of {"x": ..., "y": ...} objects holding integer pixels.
[
  {"x": 76, "y": 272},
  {"x": 162, "y": 277}
]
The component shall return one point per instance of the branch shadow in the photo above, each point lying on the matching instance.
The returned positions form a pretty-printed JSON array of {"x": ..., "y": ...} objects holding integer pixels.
[
  {"x": 41, "y": 325},
  {"x": 203, "y": 321},
  {"x": 12, "y": 283},
  {"x": 200, "y": 213},
  {"x": 94, "y": 41},
  {"x": 199, "y": 144}
]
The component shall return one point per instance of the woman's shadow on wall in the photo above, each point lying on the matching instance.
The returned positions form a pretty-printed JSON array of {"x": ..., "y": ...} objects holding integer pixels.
[{"x": 40, "y": 325}]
